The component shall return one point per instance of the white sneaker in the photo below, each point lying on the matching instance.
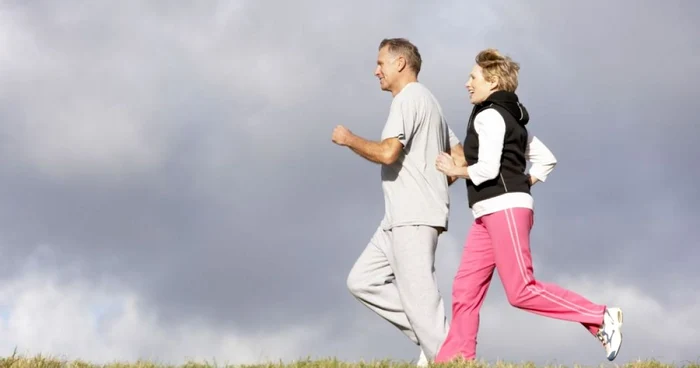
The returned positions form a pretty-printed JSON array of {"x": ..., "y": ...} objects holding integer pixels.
[
  {"x": 422, "y": 360},
  {"x": 610, "y": 333}
]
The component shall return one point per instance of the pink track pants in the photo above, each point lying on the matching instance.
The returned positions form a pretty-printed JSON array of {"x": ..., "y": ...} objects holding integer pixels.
[{"x": 502, "y": 240}]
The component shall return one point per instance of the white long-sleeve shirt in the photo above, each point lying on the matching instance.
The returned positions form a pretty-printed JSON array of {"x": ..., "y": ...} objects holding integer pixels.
[{"x": 491, "y": 127}]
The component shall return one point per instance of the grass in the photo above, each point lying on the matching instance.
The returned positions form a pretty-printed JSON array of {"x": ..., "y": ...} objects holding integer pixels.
[{"x": 39, "y": 361}]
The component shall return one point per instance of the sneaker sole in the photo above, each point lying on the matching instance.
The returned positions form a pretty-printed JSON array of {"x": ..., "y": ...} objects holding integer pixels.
[{"x": 619, "y": 330}]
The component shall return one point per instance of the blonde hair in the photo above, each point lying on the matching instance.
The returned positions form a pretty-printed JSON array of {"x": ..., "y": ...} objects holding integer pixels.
[{"x": 494, "y": 64}]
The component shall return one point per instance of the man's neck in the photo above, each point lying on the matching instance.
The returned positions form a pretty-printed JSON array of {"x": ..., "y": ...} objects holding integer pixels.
[{"x": 403, "y": 83}]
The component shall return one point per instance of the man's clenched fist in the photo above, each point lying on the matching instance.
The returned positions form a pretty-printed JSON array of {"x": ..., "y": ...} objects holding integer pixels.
[{"x": 341, "y": 135}]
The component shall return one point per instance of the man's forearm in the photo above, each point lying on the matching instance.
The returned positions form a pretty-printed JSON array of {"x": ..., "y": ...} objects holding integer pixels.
[
  {"x": 457, "y": 153},
  {"x": 376, "y": 152}
]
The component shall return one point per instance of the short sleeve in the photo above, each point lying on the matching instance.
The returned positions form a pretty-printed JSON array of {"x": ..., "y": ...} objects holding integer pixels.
[
  {"x": 401, "y": 121},
  {"x": 453, "y": 138}
]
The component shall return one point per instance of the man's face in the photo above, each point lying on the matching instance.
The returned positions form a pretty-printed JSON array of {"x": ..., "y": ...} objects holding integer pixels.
[
  {"x": 479, "y": 88},
  {"x": 387, "y": 69}
]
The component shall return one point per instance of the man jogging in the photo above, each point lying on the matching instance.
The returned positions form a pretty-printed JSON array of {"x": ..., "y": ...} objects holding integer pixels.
[{"x": 416, "y": 198}]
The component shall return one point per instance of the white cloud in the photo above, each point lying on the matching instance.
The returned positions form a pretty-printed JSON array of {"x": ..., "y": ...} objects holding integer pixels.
[
  {"x": 46, "y": 312},
  {"x": 102, "y": 322}
]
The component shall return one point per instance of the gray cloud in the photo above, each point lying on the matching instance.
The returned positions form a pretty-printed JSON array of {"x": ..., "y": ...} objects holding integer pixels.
[{"x": 182, "y": 153}]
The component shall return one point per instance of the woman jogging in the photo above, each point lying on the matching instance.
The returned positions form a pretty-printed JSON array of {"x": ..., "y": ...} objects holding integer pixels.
[{"x": 496, "y": 149}]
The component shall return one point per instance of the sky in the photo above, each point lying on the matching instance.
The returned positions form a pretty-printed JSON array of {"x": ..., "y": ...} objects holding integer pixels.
[{"x": 170, "y": 190}]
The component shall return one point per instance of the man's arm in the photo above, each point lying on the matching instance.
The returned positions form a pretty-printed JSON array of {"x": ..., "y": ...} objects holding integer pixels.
[
  {"x": 396, "y": 134},
  {"x": 457, "y": 154},
  {"x": 543, "y": 161},
  {"x": 384, "y": 152}
]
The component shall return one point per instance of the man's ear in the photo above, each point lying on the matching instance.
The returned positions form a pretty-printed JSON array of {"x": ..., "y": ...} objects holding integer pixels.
[{"x": 401, "y": 63}]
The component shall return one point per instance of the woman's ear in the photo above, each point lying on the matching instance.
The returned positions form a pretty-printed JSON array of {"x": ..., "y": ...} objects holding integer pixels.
[{"x": 493, "y": 83}]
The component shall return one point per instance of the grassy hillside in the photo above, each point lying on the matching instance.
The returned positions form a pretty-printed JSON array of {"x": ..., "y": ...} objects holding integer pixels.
[{"x": 50, "y": 362}]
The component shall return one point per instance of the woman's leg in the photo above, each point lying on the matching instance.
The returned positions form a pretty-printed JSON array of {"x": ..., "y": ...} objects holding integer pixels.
[
  {"x": 468, "y": 293},
  {"x": 510, "y": 232}
]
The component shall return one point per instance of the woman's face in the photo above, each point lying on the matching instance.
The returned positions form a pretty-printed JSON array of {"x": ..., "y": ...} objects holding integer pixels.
[{"x": 479, "y": 88}]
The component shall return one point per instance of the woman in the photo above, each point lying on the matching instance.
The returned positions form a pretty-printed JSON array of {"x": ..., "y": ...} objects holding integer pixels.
[{"x": 496, "y": 149}]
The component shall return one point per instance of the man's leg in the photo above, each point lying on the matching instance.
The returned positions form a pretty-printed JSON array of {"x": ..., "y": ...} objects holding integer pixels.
[
  {"x": 422, "y": 360},
  {"x": 468, "y": 293},
  {"x": 370, "y": 281},
  {"x": 414, "y": 266},
  {"x": 510, "y": 233}
]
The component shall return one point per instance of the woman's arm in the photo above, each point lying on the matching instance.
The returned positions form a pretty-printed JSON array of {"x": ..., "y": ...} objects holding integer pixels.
[
  {"x": 491, "y": 127},
  {"x": 543, "y": 161}
]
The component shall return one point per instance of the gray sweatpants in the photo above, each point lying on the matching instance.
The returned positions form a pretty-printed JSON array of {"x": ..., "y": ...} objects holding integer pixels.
[{"x": 406, "y": 256}]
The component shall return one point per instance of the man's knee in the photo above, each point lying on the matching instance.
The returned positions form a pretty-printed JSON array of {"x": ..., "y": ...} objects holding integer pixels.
[{"x": 356, "y": 284}]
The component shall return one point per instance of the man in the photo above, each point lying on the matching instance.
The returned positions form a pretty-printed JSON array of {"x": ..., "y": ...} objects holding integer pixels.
[{"x": 416, "y": 202}]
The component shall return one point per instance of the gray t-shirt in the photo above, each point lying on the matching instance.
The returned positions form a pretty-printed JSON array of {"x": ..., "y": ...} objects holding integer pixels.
[{"x": 415, "y": 192}]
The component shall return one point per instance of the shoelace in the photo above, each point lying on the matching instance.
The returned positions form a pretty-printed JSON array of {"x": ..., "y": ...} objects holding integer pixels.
[{"x": 602, "y": 336}]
